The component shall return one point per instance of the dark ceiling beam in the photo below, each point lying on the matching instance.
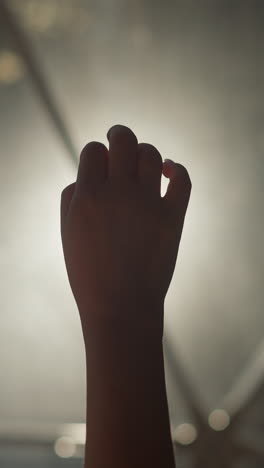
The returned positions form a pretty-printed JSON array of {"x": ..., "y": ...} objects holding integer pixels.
[
  {"x": 251, "y": 452},
  {"x": 25, "y": 51},
  {"x": 185, "y": 386},
  {"x": 248, "y": 387}
]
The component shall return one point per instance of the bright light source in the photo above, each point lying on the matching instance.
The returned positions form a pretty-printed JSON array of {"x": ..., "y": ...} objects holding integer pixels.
[
  {"x": 11, "y": 67},
  {"x": 219, "y": 419},
  {"x": 65, "y": 447},
  {"x": 40, "y": 16},
  {"x": 75, "y": 431},
  {"x": 185, "y": 434}
]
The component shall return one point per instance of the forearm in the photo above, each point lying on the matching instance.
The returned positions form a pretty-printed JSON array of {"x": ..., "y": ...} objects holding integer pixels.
[
  {"x": 127, "y": 411},
  {"x": 120, "y": 236}
]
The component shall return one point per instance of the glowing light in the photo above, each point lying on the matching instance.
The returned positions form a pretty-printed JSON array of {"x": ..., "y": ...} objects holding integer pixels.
[
  {"x": 50, "y": 16},
  {"x": 219, "y": 419},
  {"x": 65, "y": 447},
  {"x": 185, "y": 434},
  {"x": 40, "y": 17},
  {"x": 75, "y": 431},
  {"x": 11, "y": 67}
]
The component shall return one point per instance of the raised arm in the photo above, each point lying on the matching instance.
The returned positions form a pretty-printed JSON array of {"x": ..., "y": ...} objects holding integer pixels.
[{"x": 120, "y": 241}]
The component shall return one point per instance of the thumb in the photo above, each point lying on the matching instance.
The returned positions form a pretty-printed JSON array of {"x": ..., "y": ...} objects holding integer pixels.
[{"x": 179, "y": 187}]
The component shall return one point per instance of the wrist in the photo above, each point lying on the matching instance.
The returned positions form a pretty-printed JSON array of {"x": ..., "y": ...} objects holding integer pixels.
[
  {"x": 126, "y": 324},
  {"x": 126, "y": 394}
]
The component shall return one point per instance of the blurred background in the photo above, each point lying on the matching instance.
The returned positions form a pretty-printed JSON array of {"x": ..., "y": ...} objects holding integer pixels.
[{"x": 187, "y": 77}]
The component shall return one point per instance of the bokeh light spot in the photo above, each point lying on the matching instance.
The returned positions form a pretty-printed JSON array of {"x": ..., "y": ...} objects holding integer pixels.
[
  {"x": 65, "y": 447},
  {"x": 185, "y": 434},
  {"x": 219, "y": 419}
]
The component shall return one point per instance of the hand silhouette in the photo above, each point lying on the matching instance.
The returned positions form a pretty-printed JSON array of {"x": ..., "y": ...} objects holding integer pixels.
[{"x": 120, "y": 237}]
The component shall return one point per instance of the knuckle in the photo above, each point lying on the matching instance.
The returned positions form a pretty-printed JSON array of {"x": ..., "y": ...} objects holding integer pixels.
[
  {"x": 184, "y": 173},
  {"x": 68, "y": 190},
  {"x": 122, "y": 131},
  {"x": 93, "y": 146},
  {"x": 150, "y": 152}
]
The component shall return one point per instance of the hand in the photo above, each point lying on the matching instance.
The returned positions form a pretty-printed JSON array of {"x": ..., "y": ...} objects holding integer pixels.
[{"x": 120, "y": 237}]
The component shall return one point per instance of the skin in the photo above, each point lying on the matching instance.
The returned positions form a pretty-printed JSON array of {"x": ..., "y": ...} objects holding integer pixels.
[{"x": 120, "y": 241}]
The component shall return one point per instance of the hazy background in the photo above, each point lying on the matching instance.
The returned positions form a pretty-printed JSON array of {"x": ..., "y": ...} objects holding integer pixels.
[{"x": 187, "y": 77}]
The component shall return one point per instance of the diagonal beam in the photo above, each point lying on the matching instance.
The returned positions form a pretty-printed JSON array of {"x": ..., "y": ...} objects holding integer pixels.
[
  {"x": 250, "y": 451},
  {"x": 24, "y": 49},
  {"x": 186, "y": 389},
  {"x": 248, "y": 387}
]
